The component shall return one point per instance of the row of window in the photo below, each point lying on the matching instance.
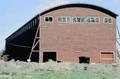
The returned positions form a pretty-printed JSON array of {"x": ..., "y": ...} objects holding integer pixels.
[
  {"x": 68, "y": 19},
  {"x": 78, "y": 20}
]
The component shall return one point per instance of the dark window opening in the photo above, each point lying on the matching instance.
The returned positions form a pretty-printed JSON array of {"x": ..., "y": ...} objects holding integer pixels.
[
  {"x": 49, "y": 55},
  {"x": 48, "y": 19},
  {"x": 106, "y": 52},
  {"x": 84, "y": 60}
]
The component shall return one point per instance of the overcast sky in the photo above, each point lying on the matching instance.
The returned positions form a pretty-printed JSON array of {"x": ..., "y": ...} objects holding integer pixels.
[{"x": 15, "y": 13}]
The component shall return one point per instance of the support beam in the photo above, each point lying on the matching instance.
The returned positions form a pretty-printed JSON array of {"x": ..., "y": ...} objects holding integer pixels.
[{"x": 35, "y": 43}]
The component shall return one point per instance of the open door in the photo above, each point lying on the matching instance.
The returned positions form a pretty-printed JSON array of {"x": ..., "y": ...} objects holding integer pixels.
[
  {"x": 84, "y": 60},
  {"x": 49, "y": 55}
]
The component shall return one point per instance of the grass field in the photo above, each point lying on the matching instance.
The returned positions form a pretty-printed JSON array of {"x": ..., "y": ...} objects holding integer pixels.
[{"x": 53, "y": 70}]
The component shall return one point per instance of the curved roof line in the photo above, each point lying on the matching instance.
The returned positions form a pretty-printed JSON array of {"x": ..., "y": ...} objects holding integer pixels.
[{"x": 81, "y": 5}]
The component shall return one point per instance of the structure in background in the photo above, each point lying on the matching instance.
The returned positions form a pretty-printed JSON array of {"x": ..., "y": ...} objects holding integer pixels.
[{"x": 81, "y": 33}]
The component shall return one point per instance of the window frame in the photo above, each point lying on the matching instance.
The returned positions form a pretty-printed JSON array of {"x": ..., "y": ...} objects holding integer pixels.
[
  {"x": 107, "y": 22},
  {"x": 48, "y": 21},
  {"x": 109, "y": 52}
]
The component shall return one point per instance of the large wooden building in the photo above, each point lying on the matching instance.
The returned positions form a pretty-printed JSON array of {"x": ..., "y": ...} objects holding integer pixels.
[{"x": 81, "y": 33}]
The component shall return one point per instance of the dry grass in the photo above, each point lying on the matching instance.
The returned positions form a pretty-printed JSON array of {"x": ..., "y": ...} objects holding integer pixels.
[{"x": 53, "y": 70}]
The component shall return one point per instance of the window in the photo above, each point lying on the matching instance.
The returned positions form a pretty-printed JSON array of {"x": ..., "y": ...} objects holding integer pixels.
[
  {"x": 84, "y": 60},
  {"x": 64, "y": 19},
  {"x": 78, "y": 19},
  {"x": 106, "y": 57},
  {"x": 48, "y": 19},
  {"x": 107, "y": 20},
  {"x": 92, "y": 20}
]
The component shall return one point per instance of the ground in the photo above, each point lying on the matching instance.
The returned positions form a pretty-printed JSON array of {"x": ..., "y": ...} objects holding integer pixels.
[{"x": 54, "y": 70}]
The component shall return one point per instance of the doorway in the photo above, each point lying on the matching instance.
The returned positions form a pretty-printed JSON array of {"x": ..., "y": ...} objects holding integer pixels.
[
  {"x": 49, "y": 55},
  {"x": 84, "y": 60}
]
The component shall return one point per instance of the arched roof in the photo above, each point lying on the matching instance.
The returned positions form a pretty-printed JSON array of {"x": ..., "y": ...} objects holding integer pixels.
[{"x": 81, "y": 5}]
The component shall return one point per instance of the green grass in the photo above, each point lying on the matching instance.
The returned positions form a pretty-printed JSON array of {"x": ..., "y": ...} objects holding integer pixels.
[{"x": 53, "y": 70}]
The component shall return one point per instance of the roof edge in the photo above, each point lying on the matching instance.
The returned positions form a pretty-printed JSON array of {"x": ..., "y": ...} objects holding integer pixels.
[
  {"x": 91, "y": 6},
  {"x": 22, "y": 27}
]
